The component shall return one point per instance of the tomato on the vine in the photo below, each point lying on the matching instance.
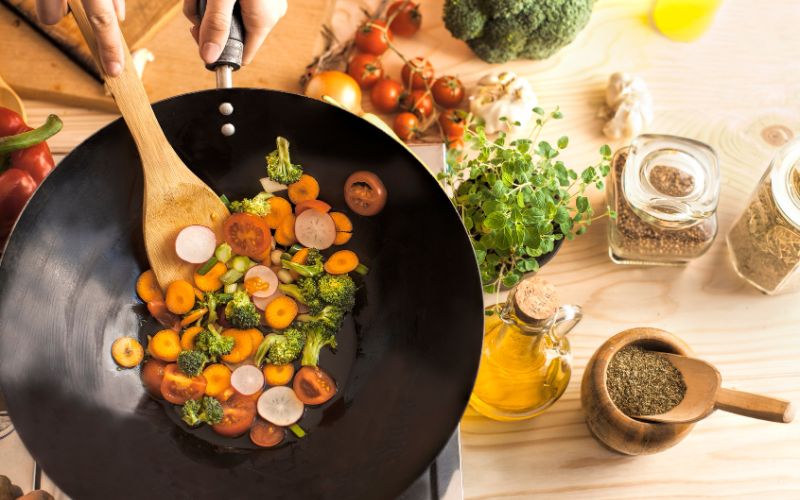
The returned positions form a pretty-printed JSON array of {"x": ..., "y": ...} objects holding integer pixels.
[
  {"x": 406, "y": 125},
  {"x": 373, "y": 37},
  {"x": 448, "y": 91},
  {"x": 366, "y": 69},
  {"x": 385, "y": 95},
  {"x": 453, "y": 122},
  {"x": 422, "y": 71},
  {"x": 407, "y": 18},
  {"x": 418, "y": 102}
]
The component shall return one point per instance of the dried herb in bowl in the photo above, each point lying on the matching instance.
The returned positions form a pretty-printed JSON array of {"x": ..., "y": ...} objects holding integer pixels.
[
  {"x": 642, "y": 382},
  {"x": 517, "y": 198}
]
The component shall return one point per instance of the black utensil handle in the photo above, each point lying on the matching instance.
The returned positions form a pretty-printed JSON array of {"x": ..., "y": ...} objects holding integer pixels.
[{"x": 232, "y": 52}]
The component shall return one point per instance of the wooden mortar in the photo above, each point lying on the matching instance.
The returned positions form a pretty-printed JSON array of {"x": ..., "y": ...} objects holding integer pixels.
[{"x": 607, "y": 423}]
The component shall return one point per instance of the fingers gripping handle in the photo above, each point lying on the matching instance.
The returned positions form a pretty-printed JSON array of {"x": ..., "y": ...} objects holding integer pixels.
[{"x": 232, "y": 52}]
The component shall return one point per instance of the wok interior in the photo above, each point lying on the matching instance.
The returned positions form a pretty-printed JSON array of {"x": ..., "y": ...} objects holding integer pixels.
[{"x": 408, "y": 356}]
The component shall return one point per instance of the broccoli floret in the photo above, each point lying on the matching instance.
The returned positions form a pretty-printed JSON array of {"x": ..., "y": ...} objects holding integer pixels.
[
  {"x": 257, "y": 205},
  {"x": 317, "y": 338},
  {"x": 198, "y": 411},
  {"x": 329, "y": 318},
  {"x": 304, "y": 291},
  {"x": 212, "y": 343},
  {"x": 313, "y": 266},
  {"x": 338, "y": 290},
  {"x": 212, "y": 300},
  {"x": 241, "y": 312},
  {"x": 192, "y": 362},
  {"x": 502, "y": 30},
  {"x": 280, "y": 167},
  {"x": 281, "y": 348}
]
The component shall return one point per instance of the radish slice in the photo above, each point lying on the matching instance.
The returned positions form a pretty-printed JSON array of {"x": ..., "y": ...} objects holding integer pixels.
[
  {"x": 195, "y": 244},
  {"x": 280, "y": 406},
  {"x": 247, "y": 380},
  {"x": 262, "y": 302},
  {"x": 268, "y": 278},
  {"x": 271, "y": 186},
  {"x": 315, "y": 229}
]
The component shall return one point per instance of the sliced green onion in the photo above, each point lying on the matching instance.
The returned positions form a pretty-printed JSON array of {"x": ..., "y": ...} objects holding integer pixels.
[
  {"x": 223, "y": 253},
  {"x": 295, "y": 248},
  {"x": 231, "y": 277},
  {"x": 240, "y": 263},
  {"x": 224, "y": 199},
  {"x": 231, "y": 288},
  {"x": 362, "y": 269},
  {"x": 205, "y": 268},
  {"x": 286, "y": 256},
  {"x": 297, "y": 430}
]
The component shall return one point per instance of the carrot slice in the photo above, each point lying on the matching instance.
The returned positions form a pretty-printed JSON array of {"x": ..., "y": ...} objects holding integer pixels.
[
  {"x": 279, "y": 208},
  {"x": 188, "y": 337},
  {"x": 281, "y": 312},
  {"x": 127, "y": 352},
  {"x": 256, "y": 336},
  {"x": 278, "y": 374},
  {"x": 165, "y": 345},
  {"x": 318, "y": 205},
  {"x": 344, "y": 228},
  {"x": 180, "y": 297},
  {"x": 147, "y": 287},
  {"x": 193, "y": 316},
  {"x": 210, "y": 282},
  {"x": 242, "y": 346},
  {"x": 218, "y": 379},
  {"x": 341, "y": 262},
  {"x": 284, "y": 235},
  {"x": 307, "y": 188},
  {"x": 199, "y": 294},
  {"x": 342, "y": 238}
]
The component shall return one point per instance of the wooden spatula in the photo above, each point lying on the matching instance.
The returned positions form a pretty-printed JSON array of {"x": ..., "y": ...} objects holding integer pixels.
[
  {"x": 173, "y": 196},
  {"x": 9, "y": 99},
  {"x": 704, "y": 394}
]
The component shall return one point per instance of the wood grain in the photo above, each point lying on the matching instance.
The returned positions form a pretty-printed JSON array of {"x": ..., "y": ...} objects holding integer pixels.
[{"x": 738, "y": 89}]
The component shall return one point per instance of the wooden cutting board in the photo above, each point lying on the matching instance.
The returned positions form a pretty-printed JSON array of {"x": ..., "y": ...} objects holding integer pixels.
[{"x": 38, "y": 70}]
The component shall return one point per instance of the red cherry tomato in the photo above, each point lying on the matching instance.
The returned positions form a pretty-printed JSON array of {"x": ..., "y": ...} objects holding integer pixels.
[
  {"x": 422, "y": 72},
  {"x": 238, "y": 414},
  {"x": 418, "y": 102},
  {"x": 385, "y": 95},
  {"x": 407, "y": 18},
  {"x": 365, "y": 193},
  {"x": 366, "y": 69},
  {"x": 247, "y": 234},
  {"x": 448, "y": 91},
  {"x": 452, "y": 122},
  {"x": 373, "y": 37},
  {"x": 406, "y": 125},
  {"x": 16, "y": 187},
  {"x": 313, "y": 386},
  {"x": 178, "y": 388}
]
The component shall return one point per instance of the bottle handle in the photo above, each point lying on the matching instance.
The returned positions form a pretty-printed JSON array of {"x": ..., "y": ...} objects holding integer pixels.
[{"x": 564, "y": 320}]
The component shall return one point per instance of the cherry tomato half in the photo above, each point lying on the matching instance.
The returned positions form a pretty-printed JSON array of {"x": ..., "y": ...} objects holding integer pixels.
[
  {"x": 366, "y": 69},
  {"x": 152, "y": 376},
  {"x": 178, "y": 388},
  {"x": 448, "y": 91},
  {"x": 406, "y": 125},
  {"x": 407, "y": 18},
  {"x": 422, "y": 72},
  {"x": 453, "y": 122},
  {"x": 313, "y": 386},
  {"x": 238, "y": 414},
  {"x": 266, "y": 435},
  {"x": 373, "y": 37},
  {"x": 385, "y": 95},
  {"x": 418, "y": 102},
  {"x": 365, "y": 193},
  {"x": 247, "y": 234}
]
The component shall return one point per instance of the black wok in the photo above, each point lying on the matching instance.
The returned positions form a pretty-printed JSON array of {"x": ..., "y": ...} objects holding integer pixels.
[{"x": 406, "y": 360}]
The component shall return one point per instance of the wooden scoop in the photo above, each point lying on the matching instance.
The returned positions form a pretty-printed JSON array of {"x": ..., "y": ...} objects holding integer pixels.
[
  {"x": 173, "y": 196},
  {"x": 9, "y": 99},
  {"x": 704, "y": 395}
]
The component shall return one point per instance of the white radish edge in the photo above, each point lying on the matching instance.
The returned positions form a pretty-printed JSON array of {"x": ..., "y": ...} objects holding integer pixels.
[
  {"x": 261, "y": 303},
  {"x": 247, "y": 380},
  {"x": 311, "y": 236},
  {"x": 267, "y": 412},
  {"x": 271, "y": 186},
  {"x": 195, "y": 244},
  {"x": 266, "y": 275}
]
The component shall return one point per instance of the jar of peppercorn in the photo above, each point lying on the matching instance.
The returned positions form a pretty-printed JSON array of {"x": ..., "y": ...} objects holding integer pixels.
[{"x": 665, "y": 191}]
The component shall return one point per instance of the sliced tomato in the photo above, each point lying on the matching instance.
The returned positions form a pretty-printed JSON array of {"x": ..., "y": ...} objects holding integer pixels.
[
  {"x": 266, "y": 435},
  {"x": 158, "y": 310},
  {"x": 178, "y": 388},
  {"x": 318, "y": 205},
  {"x": 239, "y": 412},
  {"x": 152, "y": 376},
  {"x": 247, "y": 234},
  {"x": 313, "y": 386}
]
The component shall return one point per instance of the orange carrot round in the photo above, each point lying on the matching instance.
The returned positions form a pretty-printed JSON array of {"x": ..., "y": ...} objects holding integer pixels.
[
  {"x": 165, "y": 345},
  {"x": 304, "y": 189},
  {"x": 344, "y": 228},
  {"x": 147, "y": 287},
  {"x": 341, "y": 262},
  {"x": 278, "y": 374},
  {"x": 284, "y": 235},
  {"x": 210, "y": 282},
  {"x": 281, "y": 312},
  {"x": 256, "y": 336},
  {"x": 127, "y": 352},
  {"x": 189, "y": 336},
  {"x": 180, "y": 297},
  {"x": 193, "y": 316},
  {"x": 218, "y": 379},
  {"x": 318, "y": 205},
  {"x": 279, "y": 208},
  {"x": 242, "y": 346}
]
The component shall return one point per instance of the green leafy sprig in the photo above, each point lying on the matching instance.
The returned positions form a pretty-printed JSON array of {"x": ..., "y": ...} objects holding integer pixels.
[{"x": 517, "y": 198}]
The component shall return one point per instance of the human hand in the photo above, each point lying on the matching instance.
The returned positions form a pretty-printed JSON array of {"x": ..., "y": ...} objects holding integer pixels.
[
  {"x": 104, "y": 16},
  {"x": 259, "y": 17}
]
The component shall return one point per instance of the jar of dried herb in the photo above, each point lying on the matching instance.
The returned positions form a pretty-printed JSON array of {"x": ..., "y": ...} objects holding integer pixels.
[
  {"x": 764, "y": 242},
  {"x": 665, "y": 191}
]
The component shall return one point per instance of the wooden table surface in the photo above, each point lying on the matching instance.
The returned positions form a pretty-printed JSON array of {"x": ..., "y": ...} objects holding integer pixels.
[{"x": 738, "y": 89}]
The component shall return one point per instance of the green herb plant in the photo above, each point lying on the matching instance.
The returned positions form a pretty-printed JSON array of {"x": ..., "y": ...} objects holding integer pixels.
[{"x": 517, "y": 198}]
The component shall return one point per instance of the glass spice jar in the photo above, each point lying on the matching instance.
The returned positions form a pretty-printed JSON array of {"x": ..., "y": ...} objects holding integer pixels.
[
  {"x": 764, "y": 242},
  {"x": 665, "y": 191}
]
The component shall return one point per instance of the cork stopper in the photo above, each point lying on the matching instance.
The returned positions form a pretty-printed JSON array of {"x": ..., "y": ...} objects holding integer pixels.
[{"x": 536, "y": 298}]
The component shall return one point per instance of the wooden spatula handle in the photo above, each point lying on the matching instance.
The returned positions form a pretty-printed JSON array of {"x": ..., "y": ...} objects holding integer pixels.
[{"x": 755, "y": 405}]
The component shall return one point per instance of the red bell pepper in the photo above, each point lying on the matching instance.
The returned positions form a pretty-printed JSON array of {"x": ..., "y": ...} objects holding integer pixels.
[{"x": 25, "y": 161}]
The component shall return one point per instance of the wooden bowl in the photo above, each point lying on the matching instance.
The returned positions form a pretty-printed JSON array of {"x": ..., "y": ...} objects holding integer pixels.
[{"x": 608, "y": 424}]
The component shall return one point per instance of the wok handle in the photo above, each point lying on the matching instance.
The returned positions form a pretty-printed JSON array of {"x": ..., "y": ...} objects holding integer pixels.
[{"x": 231, "y": 55}]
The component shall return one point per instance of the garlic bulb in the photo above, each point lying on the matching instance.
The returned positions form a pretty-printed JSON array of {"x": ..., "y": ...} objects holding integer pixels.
[
  {"x": 140, "y": 58},
  {"x": 628, "y": 108},
  {"x": 503, "y": 95}
]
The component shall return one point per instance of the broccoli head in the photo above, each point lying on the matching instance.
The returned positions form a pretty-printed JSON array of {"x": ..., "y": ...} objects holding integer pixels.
[
  {"x": 212, "y": 300},
  {"x": 329, "y": 318},
  {"x": 192, "y": 362},
  {"x": 502, "y": 30},
  {"x": 313, "y": 266},
  {"x": 317, "y": 338},
  {"x": 281, "y": 348},
  {"x": 338, "y": 290},
  {"x": 257, "y": 205},
  {"x": 197, "y": 411},
  {"x": 280, "y": 168},
  {"x": 304, "y": 291},
  {"x": 211, "y": 342},
  {"x": 241, "y": 311}
]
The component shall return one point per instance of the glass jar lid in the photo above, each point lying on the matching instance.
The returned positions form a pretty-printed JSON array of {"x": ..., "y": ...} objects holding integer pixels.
[
  {"x": 785, "y": 178},
  {"x": 671, "y": 181}
]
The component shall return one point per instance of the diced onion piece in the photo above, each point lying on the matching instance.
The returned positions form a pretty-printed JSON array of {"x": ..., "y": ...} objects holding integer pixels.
[
  {"x": 268, "y": 278},
  {"x": 280, "y": 406},
  {"x": 195, "y": 244},
  {"x": 271, "y": 186},
  {"x": 247, "y": 380}
]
